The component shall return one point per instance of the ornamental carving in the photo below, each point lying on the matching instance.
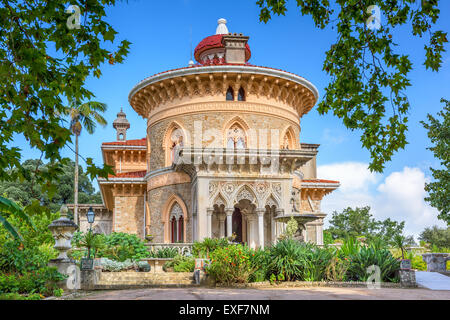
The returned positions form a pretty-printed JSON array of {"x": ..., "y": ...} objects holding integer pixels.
[
  {"x": 245, "y": 194},
  {"x": 229, "y": 188},
  {"x": 261, "y": 187},
  {"x": 293, "y": 94},
  {"x": 176, "y": 211},
  {"x": 212, "y": 188},
  {"x": 207, "y": 107},
  {"x": 276, "y": 187},
  {"x": 271, "y": 202}
]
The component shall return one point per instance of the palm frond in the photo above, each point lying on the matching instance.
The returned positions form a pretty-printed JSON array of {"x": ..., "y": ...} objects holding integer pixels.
[
  {"x": 10, "y": 228},
  {"x": 89, "y": 124},
  {"x": 11, "y": 207},
  {"x": 97, "y": 106},
  {"x": 99, "y": 118}
]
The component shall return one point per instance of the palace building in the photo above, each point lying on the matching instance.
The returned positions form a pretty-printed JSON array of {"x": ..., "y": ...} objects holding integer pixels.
[{"x": 222, "y": 154}]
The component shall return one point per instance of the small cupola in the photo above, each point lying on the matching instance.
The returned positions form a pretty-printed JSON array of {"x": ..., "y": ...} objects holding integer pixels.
[
  {"x": 215, "y": 49},
  {"x": 121, "y": 125}
]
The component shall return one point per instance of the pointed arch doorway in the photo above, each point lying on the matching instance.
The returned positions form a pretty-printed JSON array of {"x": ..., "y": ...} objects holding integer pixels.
[{"x": 236, "y": 225}]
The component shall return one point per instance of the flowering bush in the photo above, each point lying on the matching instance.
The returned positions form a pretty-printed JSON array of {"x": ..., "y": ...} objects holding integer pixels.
[
  {"x": 43, "y": 281},
  {"x": 231, "y": 264}
]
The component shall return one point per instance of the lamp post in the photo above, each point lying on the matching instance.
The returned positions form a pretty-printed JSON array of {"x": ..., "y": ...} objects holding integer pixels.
[{"x": 90, "y": 215}]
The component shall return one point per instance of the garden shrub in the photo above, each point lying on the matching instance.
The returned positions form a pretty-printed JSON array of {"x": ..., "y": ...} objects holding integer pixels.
[
  {"x": 204, "y": 248},
  {"x": 122, "y": 246},
  {"x": 285, "y": 259},
  {"x": 314, "y": 262},
  {"x": 337, "y": 269},
  {"x": 181, "y": 263},
  {"x": 163, "y": 253},
  {"x": 230, "y": 264},
  {"x": 16, "y": 296},
  {"x": 43, "y": 281},
  {"x": 116, "y": 266},
  {"x": 363, "y": 256},
  {"x": 299, "y": 261},
  {"x": 259, "y": 263}
]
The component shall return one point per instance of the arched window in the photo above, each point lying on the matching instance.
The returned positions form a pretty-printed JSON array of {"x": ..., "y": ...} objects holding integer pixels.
[
  {"x": 288, "y": 142},
  {"x": 176, "y": 223},
  {"x": 236, "y": 138},
  {"x": 230, "y": 94},
  {"x": 241, "y": 94},
  {"x": 174, "y": 140}
]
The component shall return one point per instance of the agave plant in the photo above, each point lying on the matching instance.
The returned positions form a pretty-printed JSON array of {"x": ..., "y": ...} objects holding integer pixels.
[
  {"x": 315, "y": 262},
  {"x": 372, "y": 255},
  {"x": 285, "y": 259},
  {"x": 7, "y": 208}
]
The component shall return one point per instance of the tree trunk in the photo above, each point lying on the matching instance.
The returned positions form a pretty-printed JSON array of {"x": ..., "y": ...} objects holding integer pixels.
[{"x": 75, "y": 189}]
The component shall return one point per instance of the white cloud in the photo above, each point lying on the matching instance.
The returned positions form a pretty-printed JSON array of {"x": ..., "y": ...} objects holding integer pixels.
[
  {"x": 399, "y": 196},
  {"x": 329, "y": 137},
  {"x": 353, "y": 176}
]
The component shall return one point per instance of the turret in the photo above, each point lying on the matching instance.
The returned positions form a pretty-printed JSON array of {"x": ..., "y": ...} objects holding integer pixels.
[{"x": 121, "y": 125}]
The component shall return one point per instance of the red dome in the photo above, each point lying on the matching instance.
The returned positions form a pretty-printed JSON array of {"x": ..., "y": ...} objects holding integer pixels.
[{"x": 215, "y": 41}]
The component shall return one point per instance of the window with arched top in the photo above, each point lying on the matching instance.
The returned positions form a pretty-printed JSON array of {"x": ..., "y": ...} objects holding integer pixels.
[
  {"x": 241, "y": 94},
  {"x": 173, "y": 141},
  {"x": 176, "y": 223},
  {"x": 236, "y": 138},
  {"x": 288, "y": 142},
  {"x": 230, "y": 94}
]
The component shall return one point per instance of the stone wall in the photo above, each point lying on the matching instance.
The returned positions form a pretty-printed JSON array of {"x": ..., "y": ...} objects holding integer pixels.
[
  {"x": 158, "y": 198},
  {"x": 129, "y": 215},
  {"x": 157, "y": 131}
]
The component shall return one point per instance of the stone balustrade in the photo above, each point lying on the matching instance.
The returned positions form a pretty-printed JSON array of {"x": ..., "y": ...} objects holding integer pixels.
[{"x": 182, "y": 248}]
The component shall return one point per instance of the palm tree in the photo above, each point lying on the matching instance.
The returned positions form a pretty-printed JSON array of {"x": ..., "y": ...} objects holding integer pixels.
[
  {"x": 83, "y": 115},
  {"x": 7, "y": 208}
]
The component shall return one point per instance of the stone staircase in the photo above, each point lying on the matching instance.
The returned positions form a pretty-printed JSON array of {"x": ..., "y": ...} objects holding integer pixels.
[{"x": 134, "y": 280}]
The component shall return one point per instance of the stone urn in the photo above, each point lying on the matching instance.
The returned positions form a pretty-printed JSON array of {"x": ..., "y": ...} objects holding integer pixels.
[
  {"x": 436, "y": 262},
  {"x": 62, "y": 230}
]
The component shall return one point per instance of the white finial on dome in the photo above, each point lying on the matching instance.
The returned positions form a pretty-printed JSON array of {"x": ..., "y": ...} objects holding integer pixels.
[{"x": 222, "y": 27}]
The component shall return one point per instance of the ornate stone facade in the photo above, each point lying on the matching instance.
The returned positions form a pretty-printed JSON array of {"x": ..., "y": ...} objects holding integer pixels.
[{"x": 222, "y": 155}]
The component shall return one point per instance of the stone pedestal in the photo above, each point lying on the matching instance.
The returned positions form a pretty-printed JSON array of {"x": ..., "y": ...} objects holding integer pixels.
[
  {"x": 89, "y": 278},
  {"x": 62, "y": 230},
  {"x": 407, "y": 278},
  {"x": 436, "y": 262},
  {"x": 69, "y": 268}
]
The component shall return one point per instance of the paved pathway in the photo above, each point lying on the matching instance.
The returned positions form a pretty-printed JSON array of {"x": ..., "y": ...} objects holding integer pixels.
[
  {"x": 269, "y": 294},
  {"x": 432, "y": 280}
]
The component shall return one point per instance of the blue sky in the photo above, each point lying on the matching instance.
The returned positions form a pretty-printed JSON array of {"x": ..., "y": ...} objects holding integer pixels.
[{"x": 160, "y": 36}]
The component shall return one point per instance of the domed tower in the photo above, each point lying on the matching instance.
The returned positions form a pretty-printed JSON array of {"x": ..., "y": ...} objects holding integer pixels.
[{"x": 223, "y": 148}]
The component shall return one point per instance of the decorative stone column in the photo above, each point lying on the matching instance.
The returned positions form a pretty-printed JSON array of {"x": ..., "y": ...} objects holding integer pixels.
[
  {"x": 209, "y": 213},
  {"x": 253, "y": 231},
  {"x": 260, "y": 213},
  {"x": 229, "y": 213},
  {"x": 278, "y": 225},
  {"x": 222, "y": 225},
  {"x": 62, "y": 230}
]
